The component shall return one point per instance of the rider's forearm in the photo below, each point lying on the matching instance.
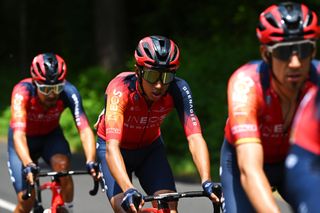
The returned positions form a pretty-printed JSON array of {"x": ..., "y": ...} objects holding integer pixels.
[
  {"x": 200, "y": 155},
  {"x": 88, "y": 143},
  {"x": 256, "y": 183},
  {"x": 21, "y": 147},
  {"x": 117, "y": 166},
  {"x": 253, "y": 178}
]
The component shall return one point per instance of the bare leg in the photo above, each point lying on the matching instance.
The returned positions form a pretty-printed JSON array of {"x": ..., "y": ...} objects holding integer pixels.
[
  {"x": 172, "y": 205},
  {"x": 24, "y": 206},
  {"x": 60, "y": 163}
]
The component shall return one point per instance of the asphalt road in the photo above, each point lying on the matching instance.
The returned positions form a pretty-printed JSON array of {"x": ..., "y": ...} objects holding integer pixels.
[{"x": 84, "y": 203}]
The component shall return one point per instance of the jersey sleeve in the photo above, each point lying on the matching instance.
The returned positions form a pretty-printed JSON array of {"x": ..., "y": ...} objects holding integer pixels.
[
  {"x": 19, "y": 101},
  {"x": 243, "y": 99},
  {"x": 184, "y": 105},
  {"x": 306, "y": 123},
  {"x": 116, "y": 101},
  {"x": 73, "y": 101}
]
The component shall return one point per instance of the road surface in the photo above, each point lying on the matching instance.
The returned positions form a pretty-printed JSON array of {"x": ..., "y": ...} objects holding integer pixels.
[{"x": 84, "y": 203}]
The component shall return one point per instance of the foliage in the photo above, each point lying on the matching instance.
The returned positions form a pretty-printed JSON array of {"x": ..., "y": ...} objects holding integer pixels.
[
  {"x": 215, "y": 37},
  {"x": 91, "y": 84},
  {"x": 4, "y": 122}
]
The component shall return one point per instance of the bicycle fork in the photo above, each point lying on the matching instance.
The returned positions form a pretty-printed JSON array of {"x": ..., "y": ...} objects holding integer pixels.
[{"x": 57, "y": 200}]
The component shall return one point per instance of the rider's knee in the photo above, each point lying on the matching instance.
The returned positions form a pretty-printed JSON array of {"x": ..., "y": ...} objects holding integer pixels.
[{"x": 60, "y": 162}]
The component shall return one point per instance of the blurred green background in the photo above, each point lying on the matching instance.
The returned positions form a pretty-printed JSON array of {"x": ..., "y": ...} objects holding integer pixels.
[{"x": 97, "y": 39}]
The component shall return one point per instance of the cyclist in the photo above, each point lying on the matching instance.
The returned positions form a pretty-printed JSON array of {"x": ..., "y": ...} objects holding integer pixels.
[
  {"x": 36, "y": 107},
  {"x": 262, "y": 99},
  {"x": 303, "y": 159},
  {"x": 129, "y": 137}
]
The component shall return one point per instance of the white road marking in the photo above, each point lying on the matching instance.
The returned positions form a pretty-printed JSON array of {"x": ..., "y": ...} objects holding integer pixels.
[{"x": 7, "y": 205}]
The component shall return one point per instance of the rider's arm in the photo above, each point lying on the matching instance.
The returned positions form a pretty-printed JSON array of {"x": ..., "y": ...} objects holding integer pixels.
[
  {"x": 200, "y": 155},
  {"x": 244, "y": 105},
  {"x": 253, "y": 178},
  {"x": 116, "y": 164},
  {"x": 88, "y": 143},
  {"x": 19, "y": 99},
  {"x": 73, "y": 100},
  {"x": 21, "y": 146}
]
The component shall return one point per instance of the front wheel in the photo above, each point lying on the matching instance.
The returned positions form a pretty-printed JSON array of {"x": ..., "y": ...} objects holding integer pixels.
[
  {"x": 62, "y": 209},
  {"x": 38, "y": 209},
  {"x": 154, "y": 210}
]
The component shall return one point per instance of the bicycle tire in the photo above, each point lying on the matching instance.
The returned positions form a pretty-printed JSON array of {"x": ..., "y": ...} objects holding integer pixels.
[{"x": 149, "y": 210}]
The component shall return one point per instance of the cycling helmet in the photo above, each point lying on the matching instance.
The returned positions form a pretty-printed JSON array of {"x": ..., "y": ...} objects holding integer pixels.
[
  {"x": 48, "y": 68},
  {"x": 157, "y": 52},
  {"x": 287, "y": 21}
]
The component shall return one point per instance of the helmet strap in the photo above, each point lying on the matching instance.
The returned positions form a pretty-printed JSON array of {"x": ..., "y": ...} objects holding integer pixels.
[{"x": 139, "y": 72}]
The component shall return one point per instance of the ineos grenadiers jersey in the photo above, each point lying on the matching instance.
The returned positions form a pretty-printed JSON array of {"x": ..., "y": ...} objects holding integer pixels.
[
  {"x": 135, "y": 124},
  {"x": 305, "y": 131},
  {"x": 255, "y": 113},
  {"x": 28, "y": 115}
]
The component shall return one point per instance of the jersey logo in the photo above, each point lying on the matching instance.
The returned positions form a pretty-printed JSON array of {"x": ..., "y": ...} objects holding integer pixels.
[
  {"x": 17, "y": 102},
  {"x": 115, "y": 99},
  {"x": 240, "y": 90}
]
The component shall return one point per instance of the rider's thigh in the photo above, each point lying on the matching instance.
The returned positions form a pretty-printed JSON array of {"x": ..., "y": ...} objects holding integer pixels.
[
  {"x": 234, "y": 197},
  {"x": 55, "y": 143},
  {"x": 154, "y": 171}
]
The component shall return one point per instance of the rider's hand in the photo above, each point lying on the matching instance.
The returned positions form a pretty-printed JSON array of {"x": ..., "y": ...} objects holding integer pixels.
[
  {"x": 93, "y": 169},
  {"x": 208, "y": 187},
  {"x": 30, "y": 171},
  {"x": 132, "y": 200}
]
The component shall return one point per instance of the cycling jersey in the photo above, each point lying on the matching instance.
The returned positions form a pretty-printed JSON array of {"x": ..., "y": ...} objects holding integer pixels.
[
  {"x": 255, "y": 113},
  {"x": 28, "y": 115},
  {"x": 306, "y": 123},
  {"x": 135, "y": 124},
  {"x": 303, "y": 158}
]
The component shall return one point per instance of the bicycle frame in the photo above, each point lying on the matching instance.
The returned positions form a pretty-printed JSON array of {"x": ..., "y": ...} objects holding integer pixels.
[{"x": 55, "y": 187}]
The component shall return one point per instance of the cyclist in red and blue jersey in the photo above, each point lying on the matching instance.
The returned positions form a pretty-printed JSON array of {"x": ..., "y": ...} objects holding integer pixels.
[
  {"x": 36, "y": 107},
  {"x": 303, "y": 161},
  {"x": 129, "y": 135},
  {"x": 262, "y": 99}
]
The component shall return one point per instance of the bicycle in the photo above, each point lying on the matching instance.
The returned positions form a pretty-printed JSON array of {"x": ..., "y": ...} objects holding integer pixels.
[
  {"x": 163, "y": 199},
  {"x": 57, "y": 202}
]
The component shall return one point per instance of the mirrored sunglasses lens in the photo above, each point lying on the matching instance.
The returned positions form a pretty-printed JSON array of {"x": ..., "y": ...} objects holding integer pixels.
[
  {"x": 282, "y": 52},
  {"x": 59, "y": 88},
  {"x": 151, "y": 76},
  {"x": 47, "y": 89},
  {"x": 167, "y": 77},
  {"x": 305, "y": 50}
]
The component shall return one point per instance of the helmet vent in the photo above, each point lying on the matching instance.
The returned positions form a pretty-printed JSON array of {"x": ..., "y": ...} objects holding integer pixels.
[
  {"x": 174, "y": 54},
  {"x": 62, "y": 71},
  {"x": 309, "y": 19},
  {"x": 271, "y": 20},
  {"x": 146, "y": 49},
  {"x": 261, "y": 27},
  {"x": 39, "y": 70},
  {"x": 292, "y": 25},
  {"x": 138, "y": 52}
]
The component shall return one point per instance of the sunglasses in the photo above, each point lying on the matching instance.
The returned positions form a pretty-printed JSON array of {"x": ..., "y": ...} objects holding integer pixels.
[
  {"x": 47, "y": 89},
  {"x": 153, "y": 76},
  {"x": 284, "y": 50}
]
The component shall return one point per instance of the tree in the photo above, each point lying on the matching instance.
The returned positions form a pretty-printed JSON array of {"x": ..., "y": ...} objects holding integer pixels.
[{"x": 109, "y": 29}]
